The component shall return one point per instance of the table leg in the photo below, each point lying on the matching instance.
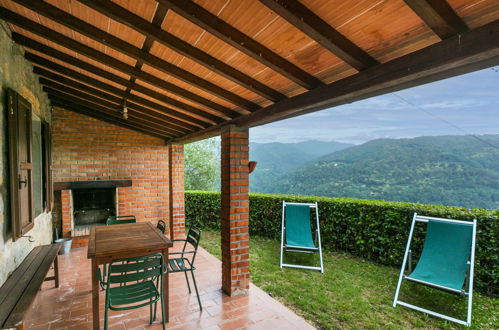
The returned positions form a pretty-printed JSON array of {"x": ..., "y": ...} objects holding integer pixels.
[
  {"x": 166, "y": 289},
  {"x": 95, "y": 294}
]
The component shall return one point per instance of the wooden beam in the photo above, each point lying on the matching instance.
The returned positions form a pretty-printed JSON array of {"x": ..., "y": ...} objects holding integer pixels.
[
  {"x": 156, "y": 33},
  {"x": 113, "y": 103},
  {"x": 157, "y": 20},
  {"x": 214, "y": 25},
  {"x": 60, "y": 83},
  {"x": 92, "y": 32},
  {"x": 194, "y": 115},
  {"x": 78, "y": 47},
  {"x": 106, "y": 107},
  {"x": 56, "y": 102},
  {"x": 464, "y": 53},
  {"x": 312, "y": 25},
  {"x": 92, "y": 184},
  {"x": 439, "y": 16},
  {"x": 190, "y": 117}
]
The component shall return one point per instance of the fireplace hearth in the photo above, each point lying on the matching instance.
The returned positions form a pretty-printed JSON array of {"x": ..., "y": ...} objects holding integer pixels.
[{"x": 92, "y": 207}]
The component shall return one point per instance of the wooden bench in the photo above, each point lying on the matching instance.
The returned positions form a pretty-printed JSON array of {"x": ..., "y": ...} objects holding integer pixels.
[{"x": 19, "y": 291}]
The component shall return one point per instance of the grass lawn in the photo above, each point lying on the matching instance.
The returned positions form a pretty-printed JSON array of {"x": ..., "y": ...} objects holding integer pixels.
[{"x": 352, "y": 293}]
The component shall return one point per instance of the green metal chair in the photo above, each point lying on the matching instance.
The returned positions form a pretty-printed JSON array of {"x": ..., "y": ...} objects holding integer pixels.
[
  {"x": 182, "y": 264},
  {"x": 114, "y": 220},
  {"x": 146, "y": 273},
  {"x": 296, "y": 232},
  {"x": 119, "y": 219},
  {"x": 446, "y": 262}
]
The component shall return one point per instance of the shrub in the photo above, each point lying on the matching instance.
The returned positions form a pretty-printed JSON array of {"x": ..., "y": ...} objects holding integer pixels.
[{"x": 372, "y": 229}]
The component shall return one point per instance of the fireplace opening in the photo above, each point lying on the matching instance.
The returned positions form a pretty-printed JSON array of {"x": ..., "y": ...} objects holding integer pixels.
[{"x": 92, "y": 207}]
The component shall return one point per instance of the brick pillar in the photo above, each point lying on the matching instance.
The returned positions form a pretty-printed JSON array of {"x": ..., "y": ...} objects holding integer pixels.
[
  {"x": 66, "y": 213},
  {"x": 176, "y": 183},
  {"x": 235, "y": 211}
]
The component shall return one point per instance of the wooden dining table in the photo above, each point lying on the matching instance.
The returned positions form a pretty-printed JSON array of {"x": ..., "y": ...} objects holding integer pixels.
[{"x": 107, "y": 243}]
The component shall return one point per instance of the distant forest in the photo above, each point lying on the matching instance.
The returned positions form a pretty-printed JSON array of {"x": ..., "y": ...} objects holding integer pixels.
[{"x": 447, "y": 170}]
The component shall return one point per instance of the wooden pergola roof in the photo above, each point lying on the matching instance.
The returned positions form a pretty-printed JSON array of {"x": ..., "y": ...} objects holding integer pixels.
[{"x": 184, "y": 69}]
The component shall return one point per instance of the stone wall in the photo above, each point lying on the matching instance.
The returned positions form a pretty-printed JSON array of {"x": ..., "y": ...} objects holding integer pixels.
[{"x": 17, "y": 73}]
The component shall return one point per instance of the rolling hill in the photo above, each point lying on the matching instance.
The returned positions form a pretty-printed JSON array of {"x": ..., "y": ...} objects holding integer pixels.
[
  {"x": 275, "y": 159},
  {"x": 448, "y": 170}
]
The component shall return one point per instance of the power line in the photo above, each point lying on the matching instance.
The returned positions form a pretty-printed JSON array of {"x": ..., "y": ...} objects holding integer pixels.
[{"x": 446, "y": 121}]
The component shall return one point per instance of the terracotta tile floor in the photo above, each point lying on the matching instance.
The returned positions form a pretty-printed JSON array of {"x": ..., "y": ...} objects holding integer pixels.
[{"x": 70, "y": 307}]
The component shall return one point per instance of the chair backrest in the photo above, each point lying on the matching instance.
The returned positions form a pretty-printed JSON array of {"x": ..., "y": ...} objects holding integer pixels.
[
  {"x": 298, "y": 225},
  {"x": 119, "y": 219},
  {"x": 135, "y": 269},
  {"x": 161, "y": 226},
  {"x": 446, "y": 253},
  {"x": 193, "y": 238}
]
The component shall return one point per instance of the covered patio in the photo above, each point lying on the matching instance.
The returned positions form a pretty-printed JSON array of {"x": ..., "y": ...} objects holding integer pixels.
[
  {"x": 70, "y": 306},
  {"x": 128, "y": 83}
]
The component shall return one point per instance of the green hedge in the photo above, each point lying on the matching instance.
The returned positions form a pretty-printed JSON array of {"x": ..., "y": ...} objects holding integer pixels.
[{"x": 372, "y": 229}]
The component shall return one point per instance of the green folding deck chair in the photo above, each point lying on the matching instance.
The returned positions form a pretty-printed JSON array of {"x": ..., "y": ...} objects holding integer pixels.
[
  {"x": 134, "y": 283},
  {"x": 446, "y": 262},
  {"x": 296, "y": 232}
]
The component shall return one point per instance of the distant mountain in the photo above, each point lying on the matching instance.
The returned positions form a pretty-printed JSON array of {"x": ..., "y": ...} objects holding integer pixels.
[
  {"x": 275, "y": 159},
  {"x": 448, "y": 170}
]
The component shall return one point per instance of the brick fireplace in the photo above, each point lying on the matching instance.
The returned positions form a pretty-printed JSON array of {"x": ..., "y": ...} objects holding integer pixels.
[{"x": 91, "y": 154}]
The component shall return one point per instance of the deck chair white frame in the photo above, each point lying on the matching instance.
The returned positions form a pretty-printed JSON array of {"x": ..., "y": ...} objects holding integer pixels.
[
  {"x": 298, "y": 248},
  {"x": 407, "y": 255}
]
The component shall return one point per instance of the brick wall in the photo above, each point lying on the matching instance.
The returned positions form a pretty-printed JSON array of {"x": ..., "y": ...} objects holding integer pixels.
[
  {"x": 235, "y": 211},
  {"x": 88, "y": 149},
  {"x": 177, "y": 208}
]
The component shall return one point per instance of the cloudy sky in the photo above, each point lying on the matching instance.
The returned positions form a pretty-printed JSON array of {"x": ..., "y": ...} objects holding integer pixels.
[{"x": 467, "y": 104}]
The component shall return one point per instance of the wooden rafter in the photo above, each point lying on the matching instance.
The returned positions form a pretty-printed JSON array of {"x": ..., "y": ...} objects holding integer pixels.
[
  {"x": 71, "y": 106},
  {"x": 102, "y": 36},
  {"x": 155, "y": 32},
  {"x": 68, "y": 59},
  {"x": 108, "y": 107},
  {"x": 463, "y": 53},
  {"x": 439, "y": 16},
  {"x": 312, "y": 25},
  {"x": 157, "y": 20},
  {"x": 106, "y": 100},
  {"x": 92, "y": 32},
  {"x": 56, "y": 81},
  {"x": 224, "y": 31},
  {"x": 113, "y": 90},
  {"x": 201, "y": 116}
]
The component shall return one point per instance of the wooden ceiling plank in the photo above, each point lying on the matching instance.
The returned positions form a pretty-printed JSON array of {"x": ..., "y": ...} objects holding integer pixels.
[
  {"x": 22, "y": 40},
  {"x": 115, "y": 109},
  {"x": 156, "y": 33},
  {"x": 224, "y": 31},
  {"x": 463, "y": 53},
  {"x": 99, "y": 95},
  {"x": 312, "y": 25},
  {"x": 72, "y": 44},
  {"x": 104, "y": 115},
  {"x": 439, "y": 16}
]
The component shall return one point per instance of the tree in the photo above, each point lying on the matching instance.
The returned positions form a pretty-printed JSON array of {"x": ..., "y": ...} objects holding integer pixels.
[{"x": 202, "y": 165}]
